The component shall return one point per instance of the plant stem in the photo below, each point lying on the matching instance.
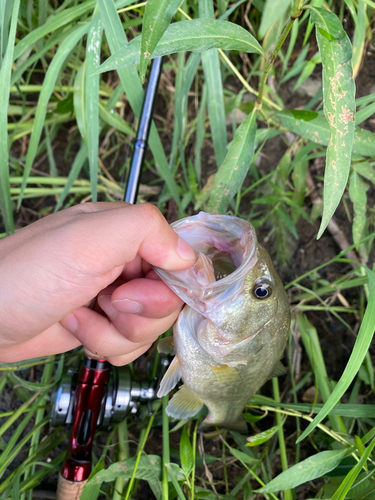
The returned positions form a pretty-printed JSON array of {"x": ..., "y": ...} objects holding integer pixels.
[
  {"x": 166, "y": 454},
  {"x": 142, "y": 442},
  {"x": 123, "y": 441},
  {"x": 296, "y": 12},
  {"x": 194, "y": 458},
  {"x": 284, "y": 461}
]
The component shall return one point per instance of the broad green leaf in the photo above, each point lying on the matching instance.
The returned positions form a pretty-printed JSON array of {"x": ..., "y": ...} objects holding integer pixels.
[
  {"x": 272, "y": 12},
  {"x": 45, "y": 94},
  {"x": 133, "y": 89},
  {"x": 235, "y": 167},
  {"x": 5, "y": 75},
  {"x": 157, "y": 17},
  {"x": 197, "y": 35},
  {"x": 339, "y": 107},
  {"x": 212, "y": 73},
  {"x": 93, "y": 46},
  {"x": 357, "y": 194},
  {"x": 357, "y": 356},
  {"x": 186, "y": 453},
  {"x": 314, "y": 126},
  {"x": 149, "y": 469},
  {"x": 359, "y": 37},
  {"x": 309, "y": 469},
  {"x": 345, "y": 486},
  {"x": 263, "y": 437}
]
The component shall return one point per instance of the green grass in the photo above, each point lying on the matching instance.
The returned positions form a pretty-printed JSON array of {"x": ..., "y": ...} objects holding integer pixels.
[{"x": 66, "y": 123}]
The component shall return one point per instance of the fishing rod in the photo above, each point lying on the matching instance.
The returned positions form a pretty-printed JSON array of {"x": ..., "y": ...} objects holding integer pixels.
[{"x": 100, "y": 394}]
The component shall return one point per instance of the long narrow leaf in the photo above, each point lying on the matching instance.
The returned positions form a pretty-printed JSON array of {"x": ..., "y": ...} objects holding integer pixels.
[
  {"x": 309, "y": 469},
  {"x": 78, "y": 163},
  {"x": 45, "y": 94},
  {"x": 5, "y": 73},
  {"x": 132, "y": 87},
  {"x": 339, "y": 106},
  {"x": 342, "y": 491},
  {"x": 185, "y": 77},
  {"x": 52, "y": 24},
  {"x": 197, "y": 35},
  {"x": 359, "y": 37},
  {"x": 273, "y": 11},
  {"x": 360, "y": 348},
  {"x": 233, "y": 171},
  {"x": 212, "y": 73},
  {"x": 158, "y": 15},
  {"x": 92, "y": 100},
  {"x": 315, "y": 127}
]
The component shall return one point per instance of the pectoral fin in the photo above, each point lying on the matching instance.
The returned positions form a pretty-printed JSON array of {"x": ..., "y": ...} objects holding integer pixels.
[
  {"x": 184, "y": 404},
  {"x": 226, "y": 374},
  {"x": 278, "y": 370},
  {"x": 170, "y": 379},
  {"x": 166, "y": 346}
]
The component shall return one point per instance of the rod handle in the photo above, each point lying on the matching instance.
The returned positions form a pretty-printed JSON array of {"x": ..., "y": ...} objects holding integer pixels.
[{"x": 69, "y": 490}]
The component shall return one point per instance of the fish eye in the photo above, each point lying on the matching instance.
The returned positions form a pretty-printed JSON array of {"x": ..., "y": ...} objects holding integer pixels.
[{"x": 262, "y": 291}]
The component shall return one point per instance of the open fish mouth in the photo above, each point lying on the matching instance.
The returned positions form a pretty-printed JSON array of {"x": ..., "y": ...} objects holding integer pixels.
[{"x": 226, "y": 249}]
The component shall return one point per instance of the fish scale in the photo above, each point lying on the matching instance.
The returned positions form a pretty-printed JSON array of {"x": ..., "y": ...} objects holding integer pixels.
[{"x": 231, "y": 334}]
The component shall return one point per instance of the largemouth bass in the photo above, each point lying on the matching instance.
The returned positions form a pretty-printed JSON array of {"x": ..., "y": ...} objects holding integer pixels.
[{"x": 231, "y": 334}]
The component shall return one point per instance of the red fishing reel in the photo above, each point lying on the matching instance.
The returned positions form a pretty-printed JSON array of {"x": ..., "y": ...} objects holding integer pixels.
[
  {"x": 123, "y": 394},
  {"x": 97, "y": 396}
]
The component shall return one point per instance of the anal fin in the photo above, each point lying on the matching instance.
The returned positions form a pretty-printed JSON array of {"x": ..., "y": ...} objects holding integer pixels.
[
  {"x": 170, "y": 379},
  {"x": 184, "y": 404}
]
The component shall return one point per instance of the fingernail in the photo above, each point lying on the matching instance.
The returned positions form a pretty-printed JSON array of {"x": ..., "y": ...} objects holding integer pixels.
[
  {"x": 104, "y": 302},
  {"x": 127, "y": 306},
  {"x": 184, "y": 250},
  {"x": 70, "y": 323}
]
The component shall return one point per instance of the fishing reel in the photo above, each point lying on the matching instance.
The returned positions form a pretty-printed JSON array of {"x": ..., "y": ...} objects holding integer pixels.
[{"x": 123, "y": 394}]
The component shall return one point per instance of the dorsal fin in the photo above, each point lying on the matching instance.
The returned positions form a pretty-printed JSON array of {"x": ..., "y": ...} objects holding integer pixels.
[
  {"x": 171, "y": 378},
  {"x": 166, "y": 346},
  {"x": 184, "y": 404}
]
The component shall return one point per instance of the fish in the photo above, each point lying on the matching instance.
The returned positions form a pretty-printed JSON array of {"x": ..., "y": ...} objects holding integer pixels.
[{"x": 231, "y": 333}]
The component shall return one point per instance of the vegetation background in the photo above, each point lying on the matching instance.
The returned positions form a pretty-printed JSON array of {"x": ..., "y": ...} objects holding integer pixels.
[{"x": 258, "y": 96}]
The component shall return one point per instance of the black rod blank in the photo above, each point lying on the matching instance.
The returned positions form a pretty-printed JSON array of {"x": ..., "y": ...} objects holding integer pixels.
[{"x": 140, "y": 145}]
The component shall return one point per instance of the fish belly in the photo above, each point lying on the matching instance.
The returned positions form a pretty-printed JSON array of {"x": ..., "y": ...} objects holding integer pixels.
[{"x": 225, "y": 390}]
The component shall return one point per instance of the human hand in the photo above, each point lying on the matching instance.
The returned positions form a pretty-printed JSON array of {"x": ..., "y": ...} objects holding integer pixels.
[{"x": 51, "y": 270}]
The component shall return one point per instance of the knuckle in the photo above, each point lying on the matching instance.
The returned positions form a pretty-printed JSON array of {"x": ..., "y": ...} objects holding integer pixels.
[{"x": 152, "y": 215}]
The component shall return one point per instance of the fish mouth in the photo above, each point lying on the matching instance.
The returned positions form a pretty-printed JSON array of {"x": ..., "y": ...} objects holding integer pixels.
[{"x": 229, "y": 242}]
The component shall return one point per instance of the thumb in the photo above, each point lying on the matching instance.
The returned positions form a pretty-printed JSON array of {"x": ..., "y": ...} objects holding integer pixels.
[{"x": 114, "y": 234}]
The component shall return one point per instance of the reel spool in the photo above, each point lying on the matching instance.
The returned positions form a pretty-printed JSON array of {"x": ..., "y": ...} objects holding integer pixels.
[{"x": 124, "y": 395}]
